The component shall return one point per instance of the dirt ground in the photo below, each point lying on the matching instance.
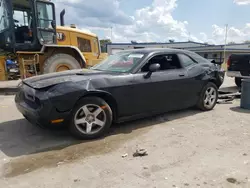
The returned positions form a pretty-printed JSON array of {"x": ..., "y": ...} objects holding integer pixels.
[{"x": 185, "y": 149}]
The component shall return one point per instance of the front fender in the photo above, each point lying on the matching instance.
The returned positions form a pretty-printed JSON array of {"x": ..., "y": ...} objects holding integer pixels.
[{"x": 65, "y": 96}]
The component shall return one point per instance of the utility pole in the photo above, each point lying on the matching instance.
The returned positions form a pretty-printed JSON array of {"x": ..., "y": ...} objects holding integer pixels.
[
  {"x": 225, "y": 43},
  {"x": 111, "y": 33}
]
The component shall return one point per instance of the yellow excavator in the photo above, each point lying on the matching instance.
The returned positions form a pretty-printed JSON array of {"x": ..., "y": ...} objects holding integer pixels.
[{"x": 31, "y": 41}]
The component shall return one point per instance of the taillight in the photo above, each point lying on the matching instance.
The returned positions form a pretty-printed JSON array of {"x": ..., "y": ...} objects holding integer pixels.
[
  {"x": 30, "y": 33},
  {"x": 228, "y": 63}
]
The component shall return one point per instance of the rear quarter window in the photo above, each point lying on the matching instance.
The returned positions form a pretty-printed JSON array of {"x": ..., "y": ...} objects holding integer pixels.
[
  {"x": 186, "y": 60},
  {"x": 197, "y": 57}
]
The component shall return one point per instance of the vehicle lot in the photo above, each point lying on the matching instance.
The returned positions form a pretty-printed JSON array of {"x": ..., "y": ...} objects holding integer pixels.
[{"x": 188, "y": 148}]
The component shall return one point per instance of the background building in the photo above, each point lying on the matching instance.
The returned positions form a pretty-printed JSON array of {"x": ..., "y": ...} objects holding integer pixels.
[{"x": 208, "y": 51}]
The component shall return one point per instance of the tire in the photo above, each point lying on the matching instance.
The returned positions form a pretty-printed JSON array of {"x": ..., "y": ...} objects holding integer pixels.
[
  {"x": 95, "y": 109},
  {"x": 238, "y": 81},
  {"x": 66, "y": 61},
  {"x": 202, "y": 105}
]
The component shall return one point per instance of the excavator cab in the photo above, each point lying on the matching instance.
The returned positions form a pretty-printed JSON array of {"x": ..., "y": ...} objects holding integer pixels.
[{"x": 26, "y": 25}]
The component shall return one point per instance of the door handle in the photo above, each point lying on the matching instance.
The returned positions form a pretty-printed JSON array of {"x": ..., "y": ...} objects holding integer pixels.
[{"x": 181, "y": 75}]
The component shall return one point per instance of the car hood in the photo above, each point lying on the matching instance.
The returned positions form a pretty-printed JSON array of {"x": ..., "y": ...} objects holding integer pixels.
[{"x": 51, "y": 79}]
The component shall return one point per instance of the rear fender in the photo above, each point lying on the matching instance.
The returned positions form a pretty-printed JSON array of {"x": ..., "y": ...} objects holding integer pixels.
[
  {"x": 209, "y": 75},
  {"x": 212, "y": 77}
]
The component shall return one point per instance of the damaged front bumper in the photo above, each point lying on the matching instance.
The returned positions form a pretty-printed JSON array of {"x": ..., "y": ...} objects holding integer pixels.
[{"x": 37, "y": 110}]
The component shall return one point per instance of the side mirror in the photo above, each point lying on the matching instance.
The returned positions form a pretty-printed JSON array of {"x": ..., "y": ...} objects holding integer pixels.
[
  {"x": 152, "y": 68},
  {"x": 53, "y": 24}
]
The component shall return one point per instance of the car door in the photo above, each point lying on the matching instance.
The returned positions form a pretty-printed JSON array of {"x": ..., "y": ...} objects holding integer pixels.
[
  {"x": 193, "y": 80},
  {"x": 162, "y": 91}
]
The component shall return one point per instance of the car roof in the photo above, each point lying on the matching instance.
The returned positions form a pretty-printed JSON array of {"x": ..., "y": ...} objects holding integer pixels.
[
  {"x": 155, "y": 50},
  {"x": 194, "y": 55}
]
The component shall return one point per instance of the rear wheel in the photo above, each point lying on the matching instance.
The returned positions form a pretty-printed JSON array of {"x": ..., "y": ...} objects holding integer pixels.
[
  {"x": 60, "y": 62},
  {"x": 91, "y": 118},
  {"x": 208, "y": 97},
  {"x": 238, "y": 81}
]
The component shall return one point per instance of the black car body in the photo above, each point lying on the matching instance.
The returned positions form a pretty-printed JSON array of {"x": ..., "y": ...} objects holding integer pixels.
[{"x": 136, "y": 93}]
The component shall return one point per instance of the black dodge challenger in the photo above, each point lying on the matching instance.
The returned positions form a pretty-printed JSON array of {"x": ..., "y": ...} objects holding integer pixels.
[{"x": 128, "y": 85}]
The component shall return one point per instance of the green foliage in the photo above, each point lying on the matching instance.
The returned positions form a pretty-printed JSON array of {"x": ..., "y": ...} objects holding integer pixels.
[{"x": 103, "y": 44}]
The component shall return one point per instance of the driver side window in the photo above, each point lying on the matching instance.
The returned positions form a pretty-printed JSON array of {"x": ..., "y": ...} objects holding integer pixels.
[
  {"x": 23, "y": 26},
  {"x": 166, "y": 61},
  {"x": 20, "y": 18}
]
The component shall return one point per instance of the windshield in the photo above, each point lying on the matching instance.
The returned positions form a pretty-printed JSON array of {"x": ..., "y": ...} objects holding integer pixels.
[
  {"x": 120, "y": 62},
  {"x": 4, "y": 22},
  {"x": 45, "y": 14}
]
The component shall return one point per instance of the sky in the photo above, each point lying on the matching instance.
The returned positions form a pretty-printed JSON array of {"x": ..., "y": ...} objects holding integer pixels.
[{"x": 160, "y": 20}]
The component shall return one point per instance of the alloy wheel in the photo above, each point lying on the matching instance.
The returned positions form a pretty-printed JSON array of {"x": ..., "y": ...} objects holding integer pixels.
[
  {"x": 210, "y": 97},
  {"x": 90, "y": 119}
]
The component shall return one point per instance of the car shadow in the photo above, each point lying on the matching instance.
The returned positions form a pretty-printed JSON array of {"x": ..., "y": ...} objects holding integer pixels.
[
  {"x": 19, "y": 137},
  {"x": 240, "y": 110}
]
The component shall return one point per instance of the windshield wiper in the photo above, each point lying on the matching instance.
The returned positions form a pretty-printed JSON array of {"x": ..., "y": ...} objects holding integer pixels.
[
  {"x": 84, "y": 73},
  {"x": 97, "y": 69}
]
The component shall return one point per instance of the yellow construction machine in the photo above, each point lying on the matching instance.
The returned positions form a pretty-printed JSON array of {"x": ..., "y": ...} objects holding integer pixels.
[{"x": 31, "y": 41}]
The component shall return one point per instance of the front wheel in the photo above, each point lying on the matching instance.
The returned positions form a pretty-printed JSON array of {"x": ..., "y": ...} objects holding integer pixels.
[
  {"x": 91, "y": 118},
  {"x": 208, "y": 97},
  {"x": 59, "y": 63}
]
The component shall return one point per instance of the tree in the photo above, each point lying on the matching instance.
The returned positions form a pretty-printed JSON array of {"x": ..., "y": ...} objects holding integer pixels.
[
  {"x": 247, "y": 41},
  {"x": 103, "y": 44},
  {"x": 232, "y": 42},
  {"x": 105, "y": 41}
]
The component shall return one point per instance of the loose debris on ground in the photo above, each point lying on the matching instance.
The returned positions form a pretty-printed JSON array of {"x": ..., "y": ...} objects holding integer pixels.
[
  {"x": 225, "y": 97},
  {"x": 124, "y": 155},
  {"x": 140, "y": 153},
  {"x": 233, "y": 181}
]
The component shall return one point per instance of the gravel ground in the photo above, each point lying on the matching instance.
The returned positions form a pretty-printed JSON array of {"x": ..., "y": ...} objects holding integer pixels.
[{"x": 185, "y": 149}]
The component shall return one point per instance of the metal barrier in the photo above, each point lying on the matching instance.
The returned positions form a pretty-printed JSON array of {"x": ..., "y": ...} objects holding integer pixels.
[{"x": 245, "y": 94}]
